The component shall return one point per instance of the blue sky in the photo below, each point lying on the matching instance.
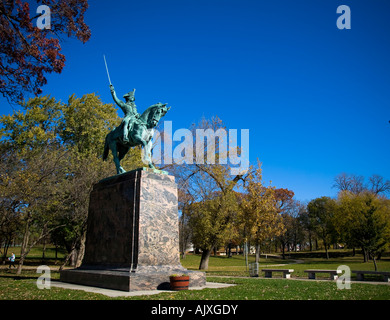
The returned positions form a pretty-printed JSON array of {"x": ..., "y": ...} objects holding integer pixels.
[{"x": 315, "y": 98}]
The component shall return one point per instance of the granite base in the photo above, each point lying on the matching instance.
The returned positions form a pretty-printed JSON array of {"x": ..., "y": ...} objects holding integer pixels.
[{"x": 132, "y": 235}]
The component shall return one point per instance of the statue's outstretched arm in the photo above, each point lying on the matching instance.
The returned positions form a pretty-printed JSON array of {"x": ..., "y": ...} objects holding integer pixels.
[{"x": 117, "y": 101}]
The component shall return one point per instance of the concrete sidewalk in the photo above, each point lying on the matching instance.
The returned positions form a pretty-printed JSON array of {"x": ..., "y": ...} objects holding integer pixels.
[{"x": 118, "y": 293}]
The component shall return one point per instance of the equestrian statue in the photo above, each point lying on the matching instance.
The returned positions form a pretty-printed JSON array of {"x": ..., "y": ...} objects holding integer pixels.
[{"x": 134, "y": 130}]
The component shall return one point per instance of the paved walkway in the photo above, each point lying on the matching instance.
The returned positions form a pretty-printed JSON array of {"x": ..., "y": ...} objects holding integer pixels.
[{"x": 118, "y": 293}]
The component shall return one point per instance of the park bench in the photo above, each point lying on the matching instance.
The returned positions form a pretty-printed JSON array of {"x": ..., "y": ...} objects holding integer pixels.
[
  {"x": 286, "y": 272},
  {"x": 360, "y": 274},
  {"x": 333, "y": 273}
]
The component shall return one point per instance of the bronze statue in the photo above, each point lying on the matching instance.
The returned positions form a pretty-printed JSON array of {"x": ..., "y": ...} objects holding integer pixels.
[
  {"x": 129, "y": 109},
  {"x": 134, "y": 130}
]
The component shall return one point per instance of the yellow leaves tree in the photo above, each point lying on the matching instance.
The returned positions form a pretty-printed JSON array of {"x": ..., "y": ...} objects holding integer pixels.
[
  {"x": 208, "y": 193},
  {"x": 259, "y": 217}
]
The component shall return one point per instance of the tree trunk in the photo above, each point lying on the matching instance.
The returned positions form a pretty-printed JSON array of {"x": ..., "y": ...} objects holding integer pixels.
[
  {"x": 373, "y": 259},
  {"x": 56, "y": 247},
  {"x": 44, "y": 250},
  {"x": 23, "y": 249},
  {"x": 6, "y": 246},
  {"x": 81, "y": 251},
  {"x": 257, "y": 252},
  {"x": 204, "y": 261},
  {"x": 326, "y": 250},
  {"x": 67, "y": 258},
  {"x": 365, "y": 254}
]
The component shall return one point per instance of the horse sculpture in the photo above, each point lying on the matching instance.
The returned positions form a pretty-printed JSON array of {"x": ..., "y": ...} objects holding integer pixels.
[{"x": 140, "y": 134}]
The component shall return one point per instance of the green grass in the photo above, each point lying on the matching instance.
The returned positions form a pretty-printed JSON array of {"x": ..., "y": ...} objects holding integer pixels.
[
  {"x": 281, "y": 289},
  {"x": 34, "y": 258},
  {"x": 221, "y": 269},
  {"x": 234, "y": 266},
  {"x": 24, "y": 288}
]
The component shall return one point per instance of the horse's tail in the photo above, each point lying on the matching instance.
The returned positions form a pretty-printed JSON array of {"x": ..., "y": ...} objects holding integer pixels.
[{"x": 106, "y": 149}]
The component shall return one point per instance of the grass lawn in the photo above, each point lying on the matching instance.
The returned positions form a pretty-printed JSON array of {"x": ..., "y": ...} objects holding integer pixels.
[
  {"x": 235, "y": 266},
  {"x": 24, "y": 288},
  {"x": 221, "y": 269}
]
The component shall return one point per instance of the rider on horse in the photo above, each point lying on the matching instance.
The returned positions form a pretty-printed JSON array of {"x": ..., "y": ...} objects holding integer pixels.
[{"x": 129, "y": 109}]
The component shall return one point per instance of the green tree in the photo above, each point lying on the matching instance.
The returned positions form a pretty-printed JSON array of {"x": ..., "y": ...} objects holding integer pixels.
[
  {"x": 294, "y": 235},
  {"x": 53, "y": 158},
  {"x": 34, "y": 159},
  {"x": 83, "y": 125},
  {"x": 364, "y": 221},
  {"x": 212, "y": 223},
  {"x": 321, "y": 214}
]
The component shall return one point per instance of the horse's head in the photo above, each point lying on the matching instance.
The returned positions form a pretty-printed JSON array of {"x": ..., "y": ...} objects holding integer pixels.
[{"x": 157, "y": 111}]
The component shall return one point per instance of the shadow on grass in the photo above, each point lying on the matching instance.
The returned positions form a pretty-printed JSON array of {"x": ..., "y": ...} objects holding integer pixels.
[{"x": 18, "y": 277}]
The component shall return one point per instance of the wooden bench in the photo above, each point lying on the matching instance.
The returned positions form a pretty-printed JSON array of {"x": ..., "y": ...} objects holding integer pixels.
[
  {"x": 286, "y": 272},
  {"x": 360, "y": 274},
  {"x": 333, "y": 273}
]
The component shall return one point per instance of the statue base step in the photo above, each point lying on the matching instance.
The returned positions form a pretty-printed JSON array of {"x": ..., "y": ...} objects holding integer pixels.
[{"x": 157, "y": 279}]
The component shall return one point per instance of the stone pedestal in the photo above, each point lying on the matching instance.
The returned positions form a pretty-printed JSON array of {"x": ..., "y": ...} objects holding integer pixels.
[{"x": 132, "y": 234}]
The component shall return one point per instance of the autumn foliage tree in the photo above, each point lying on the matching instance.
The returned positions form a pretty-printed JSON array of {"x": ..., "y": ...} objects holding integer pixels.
[
  {"x": 259, "y": 215},
  {"x": 50, "y": 157},
  {"x": 207, "y": 194},
  {"x": 28, "y": 53}
]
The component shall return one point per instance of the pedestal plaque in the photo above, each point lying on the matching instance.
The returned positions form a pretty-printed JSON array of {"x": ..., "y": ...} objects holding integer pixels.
[{"x": 132, "y": 234}]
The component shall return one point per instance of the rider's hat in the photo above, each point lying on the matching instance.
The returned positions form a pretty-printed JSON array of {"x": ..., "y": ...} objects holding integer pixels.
[{"x": 129, "y": 94}]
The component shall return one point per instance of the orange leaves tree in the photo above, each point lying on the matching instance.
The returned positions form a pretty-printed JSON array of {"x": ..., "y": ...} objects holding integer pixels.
[{"x": 28, "y": 53}]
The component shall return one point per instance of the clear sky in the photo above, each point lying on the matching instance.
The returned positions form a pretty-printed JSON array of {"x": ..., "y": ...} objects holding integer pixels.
[{"x": 315, "y": 98}]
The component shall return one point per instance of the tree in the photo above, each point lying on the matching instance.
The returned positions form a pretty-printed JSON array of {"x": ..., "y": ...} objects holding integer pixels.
[
  {"x": 259, "y": 214},
  {"x": 211, "y": 222},
  {"x": 307, "y": 227},
  {"x": 321, "y": 212},
  {"x": 9, "y": 206},
  {"x": 293, "y": 216},
  {"x": 287, "y": 237},
  {"x": 34, "y": 159},
  {"x": 364, "y": 221},
  {"x": 185, "y": 233},
  {"x": 379, "y": 185},
  {"x": 32, "y": 184},
  {"x": 283, "y": 198},
  {"x": 355, "y": 184},
  {"x": 28, "y": 53},
  {"x": 350, "y": 182},
  {"x": 211, "y": 204},
  {"x": 83, "y": 125},
  {"x": 51, "y": 159}
]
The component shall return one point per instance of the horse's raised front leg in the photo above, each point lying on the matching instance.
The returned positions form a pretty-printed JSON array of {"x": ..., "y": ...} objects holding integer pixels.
[{"x": 146, "y": 148}]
